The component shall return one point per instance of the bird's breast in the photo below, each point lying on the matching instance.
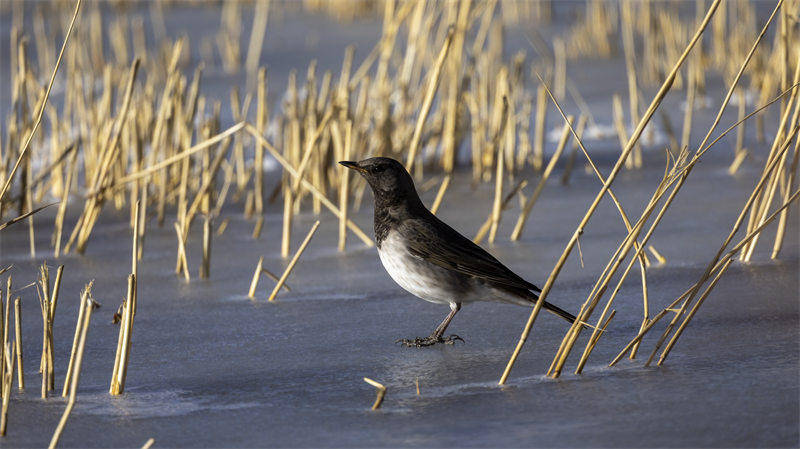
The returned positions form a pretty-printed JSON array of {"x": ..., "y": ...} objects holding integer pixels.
[{"x": 417, "y": 276}]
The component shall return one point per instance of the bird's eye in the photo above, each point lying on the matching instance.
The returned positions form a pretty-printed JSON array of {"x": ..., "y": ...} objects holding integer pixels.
[{"x": 376, "y": 169}]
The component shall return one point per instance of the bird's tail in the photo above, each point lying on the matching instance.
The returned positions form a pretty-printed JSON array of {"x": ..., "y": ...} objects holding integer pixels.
[{"x": 559, "y": 312}]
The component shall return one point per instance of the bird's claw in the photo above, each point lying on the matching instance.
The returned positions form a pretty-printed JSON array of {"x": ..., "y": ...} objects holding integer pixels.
[{"x": 429, "y": 341}]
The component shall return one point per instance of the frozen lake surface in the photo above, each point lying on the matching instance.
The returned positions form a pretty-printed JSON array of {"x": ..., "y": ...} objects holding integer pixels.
[{"x": 212, "y": 368}]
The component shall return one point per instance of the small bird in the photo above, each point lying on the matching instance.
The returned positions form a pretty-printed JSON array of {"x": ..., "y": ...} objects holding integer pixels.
[{"x": 431, "y": 260}]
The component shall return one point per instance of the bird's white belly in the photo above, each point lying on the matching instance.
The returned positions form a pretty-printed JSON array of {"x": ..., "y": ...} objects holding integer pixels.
[{"x": 420, "y": 278}]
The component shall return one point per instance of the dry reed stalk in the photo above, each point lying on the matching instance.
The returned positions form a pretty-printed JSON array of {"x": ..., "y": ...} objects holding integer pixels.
[
  {"x": 617, "y": 166},
  {"x": 763, "y": 209},
  {"x": 261, "y": 123},
  {"x": 381, "y": 392},
  {"x": 715, "y": 263},
  {"x": 256, "y": 276},
  {"x": 602, "y": 283},
  {"x": 577, "y": 139},
  {"x": 205, "y": 266},
  {"x": 661, "y": 259},
  {"x": 526, "y": 209},
  {"x": 571, "y": 161},
  {"x": 740, "y": 131},
  {"x": 73, "y": 389},
  {"x": 630, "y": 68},
  {"x": 702, "y": 150},
  {"x": 257, "y": 228},
  {"x": 344, "y": 188},
  {"x": 779, "y": 234},
  {"x": 738, "y": 159},
  {"x": 750, "y": 237},
  {"x": 440, "y": 194},
  {"x": 39, "y": 115},
  {"x": 76, "y": 339},
  {"x": 177, "y": 157},
  {"x": 23, "y": 216},
  {"x": 430, "y": 92},
  {"x": 100, "y": 177},
  {"x": 259, "y": 29},
  {"x": 642, "y": 332},
  {"x": 452, "y": 96},
  {"x": 287, "y": 218},
  {"x": 497, "y": 144},
  {"x": 619, "y": 124},
  {"x": 293, "y": 261},
  {"x": 62, "y": 207},
  {"x": 120, "y": 371},
  {"x": 311, "y": 143},
  {"x": 222, "y": 226},
  {"x": 18, "y": 342},
  {"x": 3, "y": 330},
  {"x": 538, "y": 130},
  {"x": 723, "y": 265},
  {"x": 183, "y": 264},
  {"x": 310, "y": 187},
  {"x": 8, "y": 377},
  {"x": 484, "y": 229}
]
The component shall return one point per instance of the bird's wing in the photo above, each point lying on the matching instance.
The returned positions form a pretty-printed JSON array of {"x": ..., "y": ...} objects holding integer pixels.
[{"x": 438, "y": 243}]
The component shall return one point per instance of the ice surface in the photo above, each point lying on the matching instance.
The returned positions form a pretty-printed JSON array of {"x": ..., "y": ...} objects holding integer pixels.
[{"x": 211, "y": 368}]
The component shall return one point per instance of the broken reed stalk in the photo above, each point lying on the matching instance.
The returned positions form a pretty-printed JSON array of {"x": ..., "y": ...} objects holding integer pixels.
[
  {"x": 73, "y": 388},
  {"x": 183, "y": 265},
  {"x": 440, "y": 194},
  {"x": 526, "y": 209},
  {"x": 661, "y": 259},
  {"x": 8, "y": 377},
  {"x": 135, "y": 245},
  {"x": 433, "y": 83},
  {"x": 76, "y": 339},
  {"x": 39, "y": 114},
  {"x": 380, "y": 393},
  {"x": 292, "y": 263},
  {"x": 309, "y": 186},
  {"x": 497, "y": 143},
  {"x": 120, "y": 370},
  {"x": 205, "y": 267},
  {"x": 18, "y": 342},
  {"x": 617, "y": 166},
  {"x": 62, "y": 207},
  {"x": 256, "y": 276}
]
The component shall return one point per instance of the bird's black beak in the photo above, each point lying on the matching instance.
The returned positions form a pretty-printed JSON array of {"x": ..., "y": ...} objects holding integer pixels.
[{"x": 352, "y": 165}]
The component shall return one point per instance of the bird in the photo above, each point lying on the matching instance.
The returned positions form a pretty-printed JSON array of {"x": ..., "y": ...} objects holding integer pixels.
[{"x": 430, "y": 259}]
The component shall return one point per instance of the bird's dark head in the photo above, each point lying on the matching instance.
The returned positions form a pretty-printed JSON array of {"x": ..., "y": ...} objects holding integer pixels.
[{"x": 387, "y": 177}]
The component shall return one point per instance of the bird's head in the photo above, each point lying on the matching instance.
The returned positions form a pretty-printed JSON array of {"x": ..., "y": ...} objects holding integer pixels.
[{"x": 386, "y": 176}]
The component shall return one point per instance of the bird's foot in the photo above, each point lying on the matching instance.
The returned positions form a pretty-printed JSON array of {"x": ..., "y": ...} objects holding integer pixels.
[{"x": 429, "y": 341}]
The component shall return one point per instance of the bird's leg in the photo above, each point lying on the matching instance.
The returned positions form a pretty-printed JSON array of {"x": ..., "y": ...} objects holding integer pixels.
[{"x": 436, "y": 336}]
